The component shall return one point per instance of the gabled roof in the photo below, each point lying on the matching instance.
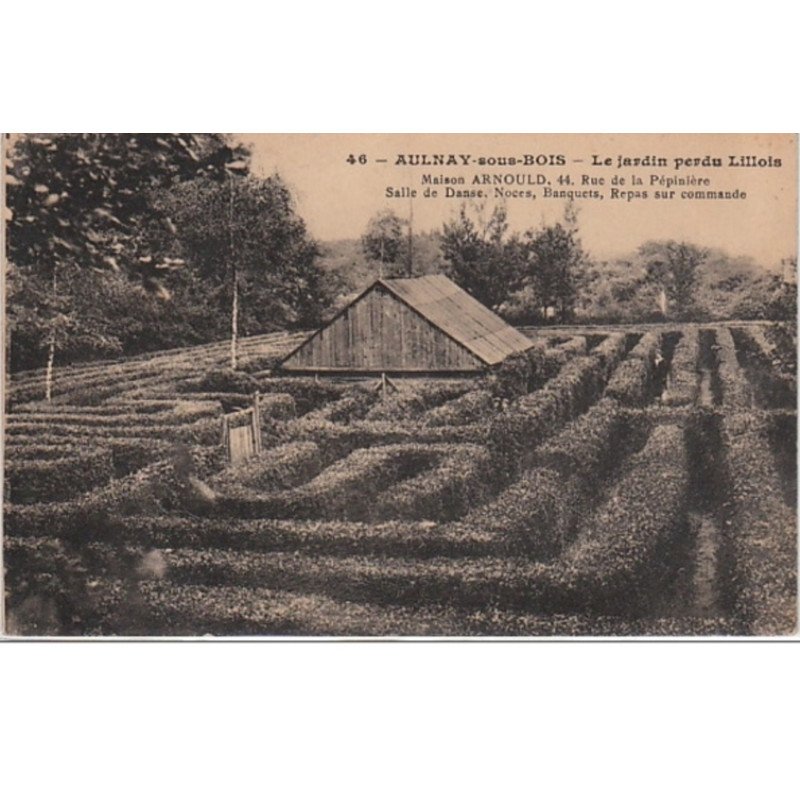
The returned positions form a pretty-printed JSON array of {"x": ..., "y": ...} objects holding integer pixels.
[{"x": 459, "y": 315}]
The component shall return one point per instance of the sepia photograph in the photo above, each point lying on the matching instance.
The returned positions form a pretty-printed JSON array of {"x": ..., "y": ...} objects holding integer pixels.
[{"x": 400, "y": 385}]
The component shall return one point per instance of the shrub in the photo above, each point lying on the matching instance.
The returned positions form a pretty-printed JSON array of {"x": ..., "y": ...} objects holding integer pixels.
[
  {"x": 763, "y": 530},
  {"x": 532, "y": 516},
  {"x": 276, "y": 406},
  {"x": 589, "y": 446},
  {"x": 308, "y": 394},
  {"x": 421, "y": 396},
  {"x": 443, "y": 492},
  {"x": 415, "y": 539},
  {"x": 36, "y": 480},
  {"x": 514, "y": 376},
  {"x": 736, "y": 390},
  {"x": 682, "y": 387},
  {"x": 344, "y": 490},
  {"x": 630, "y": 383},
  {"x": 281, "y": 467},
  {"x": 227, "y": 380},
  {"x": 467, "y": 408}
]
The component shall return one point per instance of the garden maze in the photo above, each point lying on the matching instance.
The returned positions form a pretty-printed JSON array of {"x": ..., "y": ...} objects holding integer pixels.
[{"x": 620, "y": 481}]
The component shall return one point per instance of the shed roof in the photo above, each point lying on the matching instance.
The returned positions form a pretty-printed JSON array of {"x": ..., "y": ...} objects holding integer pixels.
[{"x": 448, "y": 307}]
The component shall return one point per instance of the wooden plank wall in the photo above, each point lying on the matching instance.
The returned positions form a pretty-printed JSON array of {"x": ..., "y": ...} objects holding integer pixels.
[{"x": 379, "y": 333}]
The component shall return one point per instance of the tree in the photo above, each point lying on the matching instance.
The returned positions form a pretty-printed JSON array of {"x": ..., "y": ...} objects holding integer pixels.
[
  {"x": 553, "y": 259},
  {"x": 383, "y": 241},
  {"x": 673, "y": 267},
  {"x": 481, "y": 257},
  {"x": 77, "y": 204},
  {"x": 272, "y": 280}
]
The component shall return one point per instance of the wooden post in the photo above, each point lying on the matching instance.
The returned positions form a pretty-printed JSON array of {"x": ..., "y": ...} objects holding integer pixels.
[
  {"x": 383, "y": 386},
  {"x": 257, "y": 422}
]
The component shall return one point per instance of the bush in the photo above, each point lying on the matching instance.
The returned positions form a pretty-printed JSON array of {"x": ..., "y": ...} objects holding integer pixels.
[
  {"x": 443, "y": 492},
  {"x": 308, "y": 394},
  {"x": 630, "y": 383},
  {"x": 467, "y": 408},
  {"x": 411, "y": 402},
  {"x": 736, "y": 390},
  {"x": 414, "y": 539},
  {"x": 683, "y": 383},
  {"x": 33, "y": 481},
  {"x": 533, "y": 516},
  {"x": 227, "y": 380},
  {"x": 763, "y": 532},
  {"x": 281, "y": 467},
  {"x": 344, "y": 490},
  {"x": 589, "y": 446}
]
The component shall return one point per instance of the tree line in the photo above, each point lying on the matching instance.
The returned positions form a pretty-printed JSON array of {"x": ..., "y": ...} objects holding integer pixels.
[{"x": 118, "y": 244}]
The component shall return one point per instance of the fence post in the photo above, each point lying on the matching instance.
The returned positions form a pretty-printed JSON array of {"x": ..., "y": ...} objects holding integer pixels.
[{"x": 257, "y": 422}]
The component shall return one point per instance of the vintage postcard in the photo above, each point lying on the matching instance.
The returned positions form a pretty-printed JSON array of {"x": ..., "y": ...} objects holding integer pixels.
[{"x": 391, "y": 385}]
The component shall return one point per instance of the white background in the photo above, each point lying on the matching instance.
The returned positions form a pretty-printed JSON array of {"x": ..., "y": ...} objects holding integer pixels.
[{"x": 375, "y": 720}]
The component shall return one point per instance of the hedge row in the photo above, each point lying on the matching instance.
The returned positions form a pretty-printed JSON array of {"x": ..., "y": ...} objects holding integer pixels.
[
  {"x": 683, "y": 382},
  {"x": 308, "y": 394},
  {"x": 204, "y": 431},
  {"x": 763, "y": 532},
  {"x": 464, "y": 410},
  {"x": 533, "y": 516},
  {"x": 335, "y": 440},
  {"x": 536, "y": 514},
  {"x": 631, "y": 383},
  {"x": 37, "y": 480},
  {"x": 344, "y": 490},
  {"x": 168, "y": 609},
  {"x": 137, "y": 493},
  {"x": 281, "y": 467},
  {"x": 736, "y": 390},
  {"x": 399, "y": 538},
  {"x": 179, "y": 415},
  {"x": 417, "y": 397},
  {"x": 458, "y": 482},
  {"x": 515, "y": 433},
  {"x": 615, "y": 565},
  {"x": 127, "y": 454}
]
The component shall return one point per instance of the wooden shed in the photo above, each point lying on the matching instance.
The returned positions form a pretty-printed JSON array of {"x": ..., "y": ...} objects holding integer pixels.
[{"x": 408, "y": 326}]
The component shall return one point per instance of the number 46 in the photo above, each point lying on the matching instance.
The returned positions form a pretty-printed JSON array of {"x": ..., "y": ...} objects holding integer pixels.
[{"x": 351, "y": 159}]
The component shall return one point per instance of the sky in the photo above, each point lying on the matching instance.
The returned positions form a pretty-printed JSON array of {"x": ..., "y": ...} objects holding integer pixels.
[{"x": 337, "y": 198}]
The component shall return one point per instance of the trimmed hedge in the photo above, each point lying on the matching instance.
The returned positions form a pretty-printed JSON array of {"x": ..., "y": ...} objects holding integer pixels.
[
  {"x": 683, "y": 384},
  {"x": 630, "y": 383},
  {"x": 402, "y": 538},
  {"x": 344, "y": 490},
  {"x": 36, "y": 480},
  {"x": 736, "y": 389},
  {"x": 446, "y": 491},
  {"x": 515, "y": 433},
  {"x": 463, "y": 410},
  {"x": 280, "y": 467},
  {"x": 588, "y": 446},
  {"x": 134, "y": 494},
  {"x": 763, "y": 533},
  {"x": 616, "y": 565},
  {"x": 418, "y": 397},
  {"x": 536, "y": 514},
  {"x": 204, "y": 431}
]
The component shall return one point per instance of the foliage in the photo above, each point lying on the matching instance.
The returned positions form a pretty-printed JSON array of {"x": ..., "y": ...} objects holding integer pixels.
[
  {"x": 481, "y": 257},
  {"x": 763, "y": 536},
  {"x": 383, "y": 242},
  {"x": 673, "y": 267}
]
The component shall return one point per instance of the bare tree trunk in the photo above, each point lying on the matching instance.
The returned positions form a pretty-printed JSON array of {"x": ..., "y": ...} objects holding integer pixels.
[
  {"x": 235, "y": 282},
  {"x": 234, "y": 319},
  {"x": 51, "y": 347}
]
